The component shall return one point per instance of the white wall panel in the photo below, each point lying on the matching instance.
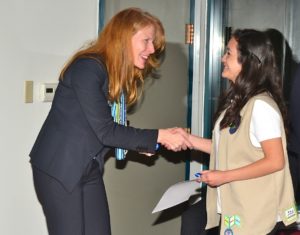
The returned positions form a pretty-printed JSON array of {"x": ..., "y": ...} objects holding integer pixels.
[{"x": 36, "y": 37}]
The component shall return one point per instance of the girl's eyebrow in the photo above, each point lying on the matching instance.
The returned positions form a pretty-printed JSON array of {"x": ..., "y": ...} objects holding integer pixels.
[{"x": 227, "y": 49}]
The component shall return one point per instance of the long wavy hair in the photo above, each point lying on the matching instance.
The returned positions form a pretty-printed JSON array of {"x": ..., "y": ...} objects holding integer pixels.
[
  {"x": 259, "y": 74},
  {"x": 115, "y": 48}
]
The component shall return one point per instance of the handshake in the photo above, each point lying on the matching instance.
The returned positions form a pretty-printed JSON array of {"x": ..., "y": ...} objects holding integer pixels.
[{"x": 175, "y": 139}]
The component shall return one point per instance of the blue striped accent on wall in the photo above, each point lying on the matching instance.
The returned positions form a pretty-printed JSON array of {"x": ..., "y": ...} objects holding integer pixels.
[
  {"x": 190, "y": 88},
  {"x": 101, "y": 16}
]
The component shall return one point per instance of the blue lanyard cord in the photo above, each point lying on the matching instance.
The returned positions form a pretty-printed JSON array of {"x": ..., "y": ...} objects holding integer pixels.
[
  {"x": 123, "y": 110},
  {"x": 118, "y": 112}
]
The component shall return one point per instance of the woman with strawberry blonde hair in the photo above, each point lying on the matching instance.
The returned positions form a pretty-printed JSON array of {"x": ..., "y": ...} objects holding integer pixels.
[{"x": 88, "y": 118}]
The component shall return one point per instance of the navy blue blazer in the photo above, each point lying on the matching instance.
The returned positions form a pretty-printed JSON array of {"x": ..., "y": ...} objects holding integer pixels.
[
  {"x": 79, "y": 126},
  {"x": 294, "y": 115}
]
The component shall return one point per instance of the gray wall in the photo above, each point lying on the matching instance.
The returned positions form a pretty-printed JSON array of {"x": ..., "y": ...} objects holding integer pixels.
[
  {"x": 282, "y": 15},
  {"x": 295, "y": 29},
  {"x": 258, "y": 14},
  {"x": 36, "y": 39}
]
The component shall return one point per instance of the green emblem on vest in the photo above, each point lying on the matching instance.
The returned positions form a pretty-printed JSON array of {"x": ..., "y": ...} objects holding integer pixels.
[{"x": 230, "y": 221}]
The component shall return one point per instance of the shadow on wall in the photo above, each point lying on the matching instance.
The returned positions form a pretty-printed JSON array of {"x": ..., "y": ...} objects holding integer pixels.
[
  {"x": 288, "y": 66},
  {"x": 286, "y": 61},
  {"x": 170, "y": 92}
]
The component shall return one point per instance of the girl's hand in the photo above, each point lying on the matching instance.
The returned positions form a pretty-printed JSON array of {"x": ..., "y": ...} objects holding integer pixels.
[{"x": 213, "y": 178}]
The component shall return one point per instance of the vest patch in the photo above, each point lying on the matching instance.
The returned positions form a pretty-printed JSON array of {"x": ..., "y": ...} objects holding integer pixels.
[
  {"x": 230, "y": 221},
  {"x": 290, "y": 213}
]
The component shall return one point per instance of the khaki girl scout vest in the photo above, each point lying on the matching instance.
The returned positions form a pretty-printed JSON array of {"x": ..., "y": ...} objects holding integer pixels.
[{"x": 249, "y": 207}]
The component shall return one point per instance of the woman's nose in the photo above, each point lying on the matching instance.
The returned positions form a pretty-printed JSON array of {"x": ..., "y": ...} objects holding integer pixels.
[{"x": 151, "y": 48}]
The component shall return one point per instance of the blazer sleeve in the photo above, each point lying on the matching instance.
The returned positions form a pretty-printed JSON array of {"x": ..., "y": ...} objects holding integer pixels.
[{"x": 88, "y": 77}]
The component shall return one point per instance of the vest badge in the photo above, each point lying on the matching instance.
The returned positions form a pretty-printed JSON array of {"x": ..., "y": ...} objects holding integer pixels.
[
  {"x": 291, "y": 213},
  {"x": 231, "y": 221},
  {"x": 233, "y": 128}
]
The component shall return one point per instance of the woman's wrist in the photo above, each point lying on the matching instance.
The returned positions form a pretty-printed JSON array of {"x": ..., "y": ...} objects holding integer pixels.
[{"x": 161, "y": 136}]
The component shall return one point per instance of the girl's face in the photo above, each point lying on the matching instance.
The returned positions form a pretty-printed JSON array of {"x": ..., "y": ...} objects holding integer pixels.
[
  {"x": 232, "y": 67},
  {"x": 142, "y": 46}
]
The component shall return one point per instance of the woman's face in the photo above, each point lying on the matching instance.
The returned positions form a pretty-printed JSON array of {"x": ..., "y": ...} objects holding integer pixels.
[
  {"x": 232, "y": 67},
  {"x": 142, "y": 46}
]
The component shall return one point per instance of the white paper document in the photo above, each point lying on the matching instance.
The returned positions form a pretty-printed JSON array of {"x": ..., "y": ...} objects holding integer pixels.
[{"x": 177, "y": 194}]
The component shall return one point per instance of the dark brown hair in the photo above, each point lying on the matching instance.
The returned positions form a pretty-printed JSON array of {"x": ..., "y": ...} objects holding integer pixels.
[{"x": 259, "y": 74}]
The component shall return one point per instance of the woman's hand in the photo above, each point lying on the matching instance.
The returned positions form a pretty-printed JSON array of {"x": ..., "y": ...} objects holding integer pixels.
[
  {"x": 147, "y": 154},
  {"x": 175, "y": 139}
]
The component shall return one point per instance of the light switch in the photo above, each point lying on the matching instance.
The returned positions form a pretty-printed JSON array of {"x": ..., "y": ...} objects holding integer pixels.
[
  {"x": 28, "y": 91},
  {"x": 47, "y": 91}
]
